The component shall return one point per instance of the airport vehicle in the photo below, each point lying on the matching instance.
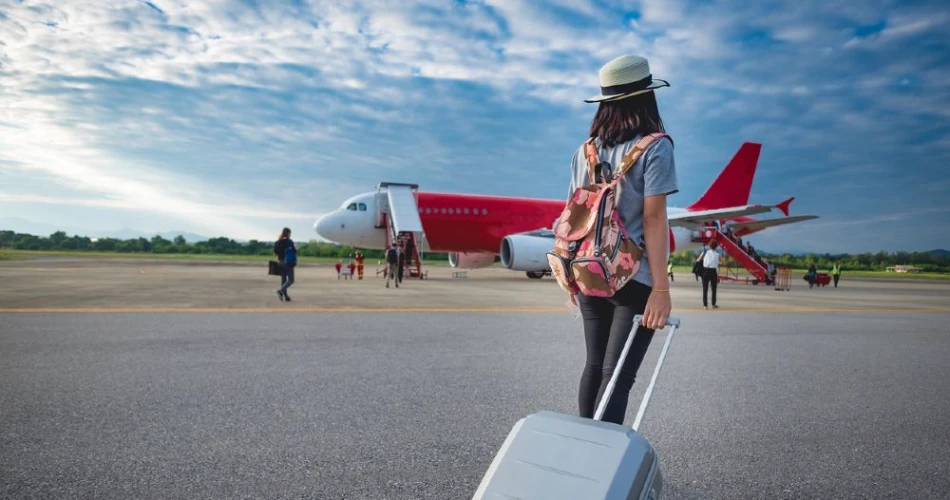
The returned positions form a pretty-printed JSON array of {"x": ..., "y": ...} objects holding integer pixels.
[
  {"x": 478, "y": 230},
  {"x": 550, "y": 456}
]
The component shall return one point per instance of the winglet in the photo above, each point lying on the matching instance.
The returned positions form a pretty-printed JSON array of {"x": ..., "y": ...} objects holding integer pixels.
[{"x": 784, "y": 205}]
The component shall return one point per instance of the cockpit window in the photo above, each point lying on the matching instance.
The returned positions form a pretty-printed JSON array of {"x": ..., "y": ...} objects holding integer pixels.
[
  {"x": 362, "y": 207},
  {"x": 352, "y": 206}
]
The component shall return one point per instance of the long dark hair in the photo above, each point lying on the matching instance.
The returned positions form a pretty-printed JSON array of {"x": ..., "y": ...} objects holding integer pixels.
[
  {"x": 617, "y": 122},
  {"x": 285, "y": 233}
]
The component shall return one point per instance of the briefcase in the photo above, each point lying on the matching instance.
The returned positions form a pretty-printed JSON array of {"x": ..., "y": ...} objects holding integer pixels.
[
  {"x": 273, "y": 268},
  {"x": 552, "y": 456}
]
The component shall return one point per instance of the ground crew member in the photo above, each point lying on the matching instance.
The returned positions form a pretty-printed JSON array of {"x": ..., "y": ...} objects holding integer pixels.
[
  {"x": 669, "y": 270},
  {"x": 339, "y": 267},
  {"x": 359, "y": 263},
  {"x": 836, "y": 273}
]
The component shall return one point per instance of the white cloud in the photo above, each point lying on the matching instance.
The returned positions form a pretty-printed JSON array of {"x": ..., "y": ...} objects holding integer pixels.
[
  {"x": 62, "y": 155},
  {"x": 195, "y": 210}
]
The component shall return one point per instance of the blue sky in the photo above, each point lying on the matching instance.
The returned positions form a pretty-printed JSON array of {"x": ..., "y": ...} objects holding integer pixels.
[{"x": 236, "y": 118}]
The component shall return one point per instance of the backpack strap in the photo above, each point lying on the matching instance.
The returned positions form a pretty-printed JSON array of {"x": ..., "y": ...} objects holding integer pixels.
[
  {"x": 594, "y": 169},
  {"x": 634, "y": 154}
]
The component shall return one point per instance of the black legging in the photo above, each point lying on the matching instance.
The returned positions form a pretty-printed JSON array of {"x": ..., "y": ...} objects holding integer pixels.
[
  {"x": 710, "y": 277},
  {"x": 607, "y": 323}
]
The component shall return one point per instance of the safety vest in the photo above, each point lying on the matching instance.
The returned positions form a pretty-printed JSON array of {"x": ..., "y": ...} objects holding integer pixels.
[{"x": 835, "y": 270}]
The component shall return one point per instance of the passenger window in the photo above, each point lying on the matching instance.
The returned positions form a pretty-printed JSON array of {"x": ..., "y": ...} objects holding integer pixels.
[
  {"x": 362, "y": 207},
  {"x": 351, "y": 207}
]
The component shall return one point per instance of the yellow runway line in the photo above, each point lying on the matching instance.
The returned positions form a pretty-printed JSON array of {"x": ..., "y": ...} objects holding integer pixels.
[{"x": 217, "y": 310}]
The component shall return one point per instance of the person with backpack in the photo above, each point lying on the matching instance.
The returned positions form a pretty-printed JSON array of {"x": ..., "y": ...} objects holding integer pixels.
[
  {"x": 286, "y": 253},
  {"x": 698, "y": 266},
  {"x": 392, "y": 263},
  {"x": 612, "y": 239}
]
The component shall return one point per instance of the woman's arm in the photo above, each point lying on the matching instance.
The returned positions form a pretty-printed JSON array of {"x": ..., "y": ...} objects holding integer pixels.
[{"x": 656, "y": 238}]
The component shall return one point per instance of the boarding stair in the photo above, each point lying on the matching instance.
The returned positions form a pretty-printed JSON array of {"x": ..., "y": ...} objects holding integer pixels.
[
  {"x": 398, "y": 213},
  {"x": 739, "y": 258}
]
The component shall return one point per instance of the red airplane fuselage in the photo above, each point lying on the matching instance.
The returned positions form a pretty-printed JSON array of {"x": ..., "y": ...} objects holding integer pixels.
[{"x": 474, "y": 223}]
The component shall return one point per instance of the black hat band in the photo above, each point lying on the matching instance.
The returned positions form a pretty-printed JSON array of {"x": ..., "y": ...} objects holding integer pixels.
[{"x": 627, "y": 87}]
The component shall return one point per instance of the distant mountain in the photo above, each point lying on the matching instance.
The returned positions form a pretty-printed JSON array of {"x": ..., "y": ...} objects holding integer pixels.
[
  {"x": 37, "y": 229},
  {"x": 940, "y": 252}
]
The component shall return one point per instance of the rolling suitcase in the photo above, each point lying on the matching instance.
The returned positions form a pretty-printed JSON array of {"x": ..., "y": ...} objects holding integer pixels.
[{"x": 551, "y": 456}]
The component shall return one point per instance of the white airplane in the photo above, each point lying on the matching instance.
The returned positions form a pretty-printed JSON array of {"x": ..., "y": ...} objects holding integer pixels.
[{"x": 477, "y": 230}]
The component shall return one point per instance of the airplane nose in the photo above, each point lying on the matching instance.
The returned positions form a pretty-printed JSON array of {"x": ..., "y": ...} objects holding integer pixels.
[{"x": 321, "y": 226}]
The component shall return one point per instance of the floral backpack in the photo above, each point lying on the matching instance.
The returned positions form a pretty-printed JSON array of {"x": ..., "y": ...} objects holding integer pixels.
[{"x": 593, "y": 254}]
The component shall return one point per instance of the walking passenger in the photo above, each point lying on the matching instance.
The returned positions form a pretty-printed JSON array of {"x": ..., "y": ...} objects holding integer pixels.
[
  {"x": 710, "y": 260},
  {"x": 286, "y": 253},
  {"x": 392, "y": 263},
  {"x": 627, "y": 112},
  {"x": 402, "y": 262}
]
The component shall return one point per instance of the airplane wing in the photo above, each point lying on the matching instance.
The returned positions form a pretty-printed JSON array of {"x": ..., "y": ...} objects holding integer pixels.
[
  {"x": 762, "y": 224},
  {"x": 701, "y": 216}
]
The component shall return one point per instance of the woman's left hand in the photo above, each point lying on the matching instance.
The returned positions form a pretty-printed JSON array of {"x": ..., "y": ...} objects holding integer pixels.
[{"x": 658, "y": 309}]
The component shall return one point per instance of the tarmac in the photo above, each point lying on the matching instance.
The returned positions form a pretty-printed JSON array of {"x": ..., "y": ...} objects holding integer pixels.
[
  {"x": 182, "y": 286},
  {"x": 143, "y": 379}
]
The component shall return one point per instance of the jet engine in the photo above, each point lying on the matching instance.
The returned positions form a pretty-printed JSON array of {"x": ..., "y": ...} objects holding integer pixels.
[
  {"x": 466, "y": 260},
  {"x": 526, "y": 252}
]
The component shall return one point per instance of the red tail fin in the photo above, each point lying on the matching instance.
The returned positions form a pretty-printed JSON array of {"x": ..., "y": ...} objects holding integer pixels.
[
  {"x": 784, "y": 205},
  {"x": 734, "y": 183}
]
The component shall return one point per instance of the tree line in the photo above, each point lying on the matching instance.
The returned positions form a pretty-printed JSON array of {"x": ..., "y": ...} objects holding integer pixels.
[
  {"x": 927, "y": 261},
  {"x": 159, "y": 245},
  {"x": 935, "y": 262}
]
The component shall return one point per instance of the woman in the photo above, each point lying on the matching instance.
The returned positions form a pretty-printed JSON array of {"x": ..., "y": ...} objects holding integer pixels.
[
  {"x": 627, "y": 111},
  {"x": 286, "y": 253},
  {"x": 710, "y": 262}
]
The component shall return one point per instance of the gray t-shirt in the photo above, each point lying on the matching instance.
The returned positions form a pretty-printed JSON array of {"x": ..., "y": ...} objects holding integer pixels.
[{"x": 653, "y": 174}]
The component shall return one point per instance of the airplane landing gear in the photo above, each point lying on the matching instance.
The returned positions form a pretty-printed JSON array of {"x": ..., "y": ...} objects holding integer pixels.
[{"x": 535, "y": 275}]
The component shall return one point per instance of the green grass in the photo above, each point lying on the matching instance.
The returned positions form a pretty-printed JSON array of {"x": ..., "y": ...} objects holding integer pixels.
[
  {"x": 884, "y": 274},
  {"x": 844, "y": 274},
  {"x": 33, "y": 255},
  {"x": 8, "y": 255}
]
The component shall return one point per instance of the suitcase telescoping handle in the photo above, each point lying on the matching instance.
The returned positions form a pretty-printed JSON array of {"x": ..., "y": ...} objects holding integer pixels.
[{"x": 673, "y": 323}]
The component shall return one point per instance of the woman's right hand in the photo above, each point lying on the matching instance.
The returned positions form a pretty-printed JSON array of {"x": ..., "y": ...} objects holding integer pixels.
[{"x": 657, "y": 312}]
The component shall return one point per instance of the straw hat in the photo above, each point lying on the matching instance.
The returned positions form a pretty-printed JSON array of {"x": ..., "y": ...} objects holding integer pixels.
[{"x": 624, "y": 77}]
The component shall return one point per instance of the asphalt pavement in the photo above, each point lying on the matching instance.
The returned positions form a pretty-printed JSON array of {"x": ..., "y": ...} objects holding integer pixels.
[{"x": 415, "y": 406}]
